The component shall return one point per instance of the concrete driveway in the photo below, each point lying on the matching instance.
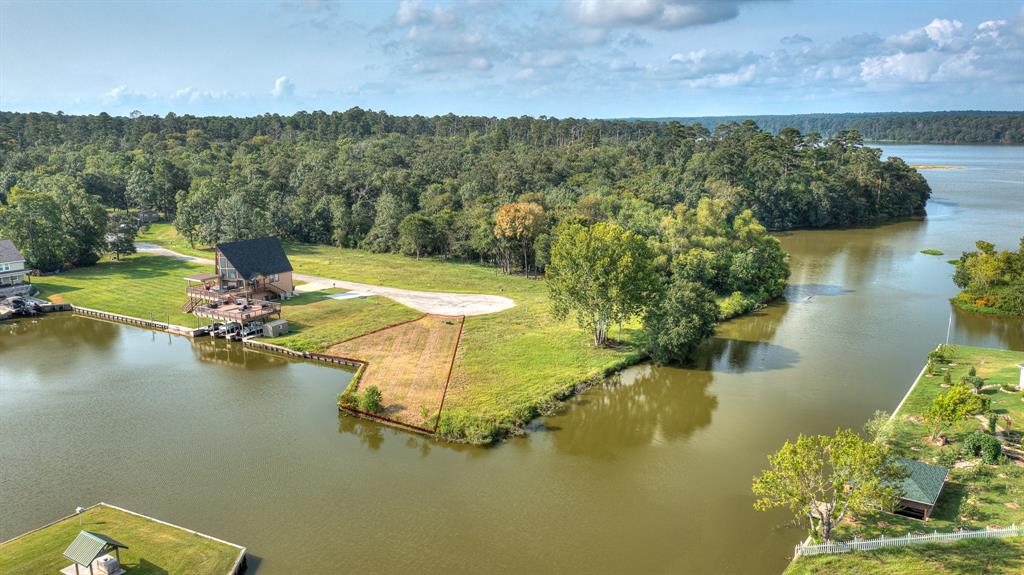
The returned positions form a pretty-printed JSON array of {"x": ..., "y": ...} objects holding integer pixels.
[{"x": 424, "y": 301}]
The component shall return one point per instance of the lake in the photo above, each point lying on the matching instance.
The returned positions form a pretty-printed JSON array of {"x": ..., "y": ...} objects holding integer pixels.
[{"x": 650, "y": 473}]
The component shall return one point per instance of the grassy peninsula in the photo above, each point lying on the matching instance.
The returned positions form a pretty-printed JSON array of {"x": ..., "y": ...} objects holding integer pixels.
[
  {"x": 153, "y": 548},
  {"x": 976, "y": 494}
]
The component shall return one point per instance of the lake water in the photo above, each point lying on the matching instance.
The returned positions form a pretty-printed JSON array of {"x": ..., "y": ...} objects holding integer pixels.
[{"x": 650, "y": 474}]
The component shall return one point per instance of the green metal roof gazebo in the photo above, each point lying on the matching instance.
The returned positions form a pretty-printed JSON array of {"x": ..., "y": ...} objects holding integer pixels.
[
  {"x": 88, "y": 546},
  {"x": 924, "y": 481}
]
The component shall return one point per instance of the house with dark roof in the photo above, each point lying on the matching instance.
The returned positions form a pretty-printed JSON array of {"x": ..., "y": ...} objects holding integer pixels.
[
  {"x": 921, "y": 488},
  {"x": 12, "y": 269},
  {"x": 246, "y": 276},
  {"x": 259, "y": 266}
]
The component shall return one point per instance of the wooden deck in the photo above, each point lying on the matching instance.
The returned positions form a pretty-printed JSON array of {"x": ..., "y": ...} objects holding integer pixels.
[{"x": 250, "y": 311}]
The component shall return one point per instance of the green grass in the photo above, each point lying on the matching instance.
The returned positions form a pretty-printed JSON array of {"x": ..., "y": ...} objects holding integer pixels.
[
  {"x": 932, "y": 252},
  {"x": 510, "y": 366},
  {"x": 973, "y": 498},
  {"x": 153, "y": 548},
  {"x": 144, "y": 286},
  {"x": 989, "y": 488},
  {"x": 982, "y": 556},
  {"x": 316, "y": 322}
]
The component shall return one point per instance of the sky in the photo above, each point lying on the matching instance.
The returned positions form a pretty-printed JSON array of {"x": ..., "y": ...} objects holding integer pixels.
[{"x": 571, "y": 58}]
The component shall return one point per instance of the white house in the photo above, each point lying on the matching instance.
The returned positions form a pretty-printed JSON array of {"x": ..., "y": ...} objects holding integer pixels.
[{"x": 12, "y": 268}]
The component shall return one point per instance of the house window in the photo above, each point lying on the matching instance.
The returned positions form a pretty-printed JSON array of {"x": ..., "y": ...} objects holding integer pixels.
[
  {"x": 4, "y": 267},
  {"x": 231, "y": 275},
  {"x": 275, "y": 278}
]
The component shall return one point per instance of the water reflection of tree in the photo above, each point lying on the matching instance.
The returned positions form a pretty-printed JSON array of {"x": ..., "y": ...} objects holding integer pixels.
[
  {"x": 370, "y": 433},
  {"x": 58, "y": 331},
  {"x": 645, "y": 405},
  {"x": 987, "y": 331}
]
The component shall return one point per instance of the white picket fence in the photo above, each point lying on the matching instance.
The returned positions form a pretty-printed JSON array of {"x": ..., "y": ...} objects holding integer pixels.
[{"x": 883, "y": 541}]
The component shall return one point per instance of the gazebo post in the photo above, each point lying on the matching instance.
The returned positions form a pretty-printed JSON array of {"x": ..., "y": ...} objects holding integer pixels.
[{"x": 117, "y": 553}]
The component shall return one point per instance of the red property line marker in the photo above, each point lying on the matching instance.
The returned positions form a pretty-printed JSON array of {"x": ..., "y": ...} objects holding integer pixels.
[
  {"x": 380, "y": 329},
  {"x": 444, "y": 394}
]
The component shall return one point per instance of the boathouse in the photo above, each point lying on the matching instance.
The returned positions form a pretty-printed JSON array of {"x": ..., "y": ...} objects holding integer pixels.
[
  {"x": 247, "y": 276},
  {"x": 921, "y": 488},
  {"x": 12, "y": 271}
]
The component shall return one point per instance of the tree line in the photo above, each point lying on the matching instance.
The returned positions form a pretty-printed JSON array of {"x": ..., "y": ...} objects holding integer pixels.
[
  {"x": 438, "y": 186},
  {"x": 965, "y": 127}
]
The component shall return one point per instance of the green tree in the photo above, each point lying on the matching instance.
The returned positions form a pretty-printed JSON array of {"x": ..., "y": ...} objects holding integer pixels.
[
  {"x": 122, "y": 229},
  {"x": 602, "y": 275},
  {"x": 679, "y": 321},
  {"x": 383, "y": 236},
  {"x": 950, "y": 407},
  {"x": 417, "y": 235},
  {"x": 821, "y": 479},
  {"x": 372, "y": 400}
]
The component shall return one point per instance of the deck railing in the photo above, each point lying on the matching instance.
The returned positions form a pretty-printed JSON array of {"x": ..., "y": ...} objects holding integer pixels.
[
  {"x": 201, "y": 292},
  {"x": 882, "y": 542},
  {"x": 256, "y": 310}
]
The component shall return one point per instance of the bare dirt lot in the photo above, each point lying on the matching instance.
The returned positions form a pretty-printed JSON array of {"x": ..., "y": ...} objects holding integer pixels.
[{"x": 409, "y": 363}]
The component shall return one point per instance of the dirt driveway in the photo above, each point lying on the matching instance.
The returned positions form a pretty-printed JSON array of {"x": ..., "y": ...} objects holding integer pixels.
[{"x": 425, "y": 301}]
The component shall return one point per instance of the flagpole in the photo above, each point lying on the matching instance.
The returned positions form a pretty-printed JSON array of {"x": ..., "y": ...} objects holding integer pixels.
[{"x": 949, "y": 326}]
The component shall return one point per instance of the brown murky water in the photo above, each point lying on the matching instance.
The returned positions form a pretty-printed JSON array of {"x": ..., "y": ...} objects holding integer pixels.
[{"x": 648, "y": 474}]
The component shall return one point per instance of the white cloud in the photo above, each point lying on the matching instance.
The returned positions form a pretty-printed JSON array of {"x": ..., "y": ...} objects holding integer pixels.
[
  {"x": 943, "y": 32},
  {"x": 662, "y": 14},
  {"x": 902, "y": 66},
  {"x": 283, "y": 88}
]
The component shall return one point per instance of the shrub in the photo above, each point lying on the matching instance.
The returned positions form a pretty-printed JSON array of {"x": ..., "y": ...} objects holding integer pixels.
[
  {"x": 350, "y": 400},
  {"x": 947, "y": 377},
  {"x": 992, "y": 420},
  {"x": 974, "y": 381},
  {"x": 372, "y": 400},
  {"x": 972, "y": 372},
  {"x": 987, "y": 446},
  {"x": 947, "y": 457}
]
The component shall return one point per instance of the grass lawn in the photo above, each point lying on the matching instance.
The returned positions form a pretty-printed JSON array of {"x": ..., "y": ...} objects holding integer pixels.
[
  {"x": 510, "y": 366},
  {"x": 982, "y": 556},
  {"x": 974, "y": 497},
  {"x": 409, "y": 364},
  {"x": 153, "y": 548},
  {"x": 143, "y": 286},
  {"x": 316, "y": 322}
]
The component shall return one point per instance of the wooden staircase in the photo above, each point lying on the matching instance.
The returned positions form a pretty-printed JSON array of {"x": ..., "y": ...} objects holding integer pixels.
[{"x": 191, "y": 305}]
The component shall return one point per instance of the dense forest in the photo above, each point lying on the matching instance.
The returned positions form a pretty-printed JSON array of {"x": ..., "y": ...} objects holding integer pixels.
[
  {"x": 992, "y": 281},
  {"x": 450, "y": 186},
  {"x": 966, "y": 127}
]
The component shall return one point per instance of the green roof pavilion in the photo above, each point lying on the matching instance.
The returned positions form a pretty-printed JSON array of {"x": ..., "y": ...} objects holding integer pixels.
[
  {"x": 921, "y": 488},
  {"x": 88, "y": 546}
]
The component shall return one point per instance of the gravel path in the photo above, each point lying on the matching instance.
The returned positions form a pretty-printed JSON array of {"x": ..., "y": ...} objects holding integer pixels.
[{"x": 424, "y": 301}]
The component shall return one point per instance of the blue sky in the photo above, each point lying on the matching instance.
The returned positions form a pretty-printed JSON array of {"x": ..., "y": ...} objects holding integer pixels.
[{"x": 556, "y": 58}]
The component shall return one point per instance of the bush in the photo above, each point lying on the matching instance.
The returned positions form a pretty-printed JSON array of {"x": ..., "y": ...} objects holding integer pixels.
[
  {"x": 372, "y": 400},
  {"x": 350, "y": 400},
  {"x": 947, "y": 377},
  {"x": 974, "y": 381},
  {"x": 947, "y": 458},
  {"x": 983, "y": 444}
]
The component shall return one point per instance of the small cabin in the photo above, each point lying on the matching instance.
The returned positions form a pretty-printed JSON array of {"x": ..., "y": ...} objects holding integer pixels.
[
  {"x": 921, "y": 488},
  {"x": 259, "y": 267},
  {"x": 246, "y": 276},
  {"x": 12, "y": 270}
]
